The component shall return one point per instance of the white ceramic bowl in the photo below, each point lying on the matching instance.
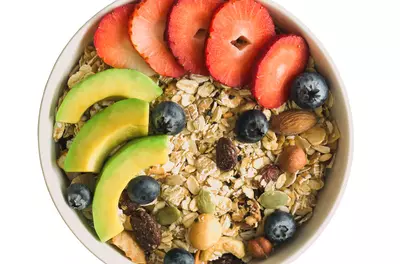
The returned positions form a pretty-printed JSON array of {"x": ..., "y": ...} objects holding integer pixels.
[{"x": 328, "y": 199}]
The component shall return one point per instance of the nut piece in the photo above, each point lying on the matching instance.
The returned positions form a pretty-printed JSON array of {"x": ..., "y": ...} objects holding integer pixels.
[
  {"x": 293, "y": 122},
  {"x": 130, "y": 247},
  {"x": 270, "y": 173},
  {"x": 225, "y": 245},
  {"x": 146, "y": 230},
  {"x": 259, "y": 248},
  {"x": 292, "y": 159},
  {"x": 227, "y": 154},
  {"x": 205, "y": 232}
]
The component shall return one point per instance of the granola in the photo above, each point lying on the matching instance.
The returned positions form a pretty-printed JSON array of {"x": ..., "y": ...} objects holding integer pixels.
[{"x": 242, "y": 196}]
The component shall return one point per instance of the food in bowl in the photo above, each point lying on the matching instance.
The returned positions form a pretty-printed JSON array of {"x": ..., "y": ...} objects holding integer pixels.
[{"x": 207, "y": 146}]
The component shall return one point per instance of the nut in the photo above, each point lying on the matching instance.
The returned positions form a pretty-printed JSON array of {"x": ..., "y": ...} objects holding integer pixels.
[
  {"x": 225, "y": 245},
  {"x": 205, "y": 202},
  {"x": 205, "y": 232},
  {"x": 227, "y": 154},
  {"x": 259, "y": 248},
  {"x": 168, "y": 215},
  {"x": 270, "y": 173},
  {"x": 292, "y": 159},
  {"x": 146, "y": 230},
  {"x": 293, "y": 122}
]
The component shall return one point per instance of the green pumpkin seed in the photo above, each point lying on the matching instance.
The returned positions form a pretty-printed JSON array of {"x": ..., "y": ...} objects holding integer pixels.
[
  {"x": 205, "y": 202},
  {"x": 273, "y": 200},
  {"x": 168, "y": 215}
]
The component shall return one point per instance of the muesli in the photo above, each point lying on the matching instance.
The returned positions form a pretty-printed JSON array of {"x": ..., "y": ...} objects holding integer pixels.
[{"x": 232, "y": 147}]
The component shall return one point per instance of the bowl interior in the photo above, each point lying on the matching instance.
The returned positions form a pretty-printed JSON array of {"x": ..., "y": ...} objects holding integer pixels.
[{"x": 56, "y": 182}]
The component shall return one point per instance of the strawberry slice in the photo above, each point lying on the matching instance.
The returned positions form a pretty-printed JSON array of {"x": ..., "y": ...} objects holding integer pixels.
[
  {"x": 238, "y": 30},
  {"x": 276, "y": 69},
  {"x": 146, "y": 29},
  {"x": 113, "y": 43},
  {"x": 187, "y": 29}
]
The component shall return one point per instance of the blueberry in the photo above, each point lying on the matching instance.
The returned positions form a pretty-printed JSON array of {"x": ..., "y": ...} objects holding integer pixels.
[
  {"x": 79, "y": 196},
  {"x": 251, "y": 126},
  {"x": 168, "y": 118},
  {"x": 178, "y": 256},
  {"x": 143, "y": 190},
  {"x": 279, "y": 227},
  {"x": 309, "y": 90}
]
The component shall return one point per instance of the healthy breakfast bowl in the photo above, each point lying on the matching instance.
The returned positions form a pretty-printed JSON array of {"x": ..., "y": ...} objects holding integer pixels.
[{"x": 175, "y": 132}]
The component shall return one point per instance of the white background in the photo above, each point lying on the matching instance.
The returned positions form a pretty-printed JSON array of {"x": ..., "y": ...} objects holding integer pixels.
[{"x": 361, "y": 36}]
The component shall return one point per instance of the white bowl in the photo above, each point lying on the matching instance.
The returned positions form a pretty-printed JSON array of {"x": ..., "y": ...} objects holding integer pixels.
[{"x": 328, "y": 198}]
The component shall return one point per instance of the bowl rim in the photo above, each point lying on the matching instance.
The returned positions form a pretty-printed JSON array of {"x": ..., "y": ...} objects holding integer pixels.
[{"x": 347, "y": 111}]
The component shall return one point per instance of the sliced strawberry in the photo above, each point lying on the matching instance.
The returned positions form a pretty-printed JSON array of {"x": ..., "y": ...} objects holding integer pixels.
[
  {"x": 283, "y": 60},
  {"x": 187, "y": 29},
  {"x": 238, "y": 30},
  {"x": 146, "y": 29},
  {"x": 113, "y": 43}
]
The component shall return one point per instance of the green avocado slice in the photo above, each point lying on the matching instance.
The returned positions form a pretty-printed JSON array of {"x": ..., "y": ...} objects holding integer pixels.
[
  {"x": 118, "y": 123},
  {"x": 112, "y": 83},
  {"x": 118, "y": 171}
]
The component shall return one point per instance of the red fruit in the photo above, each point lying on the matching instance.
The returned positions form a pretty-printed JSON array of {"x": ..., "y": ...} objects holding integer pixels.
[
  {"x": 238, "y": 31},
  {"x": 187, "y": 30},
  {"x": 146, "y": 29},
  {"x": 113, "y": 43},
  {"x": 277, "y": 67}
]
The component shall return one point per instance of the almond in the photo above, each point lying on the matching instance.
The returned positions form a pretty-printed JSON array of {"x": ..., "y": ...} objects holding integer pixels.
[
  {"x": 259, "y": 248},
  {"x": 293, "y": 122},
  {"x": 292, "y": 159}
]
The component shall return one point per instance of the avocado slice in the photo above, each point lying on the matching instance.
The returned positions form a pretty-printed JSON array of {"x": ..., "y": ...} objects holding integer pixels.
[
  {"x": 112, "y": 83},
  {"x": 117, "y": 172},
  {"x": 114, "y": 125}
]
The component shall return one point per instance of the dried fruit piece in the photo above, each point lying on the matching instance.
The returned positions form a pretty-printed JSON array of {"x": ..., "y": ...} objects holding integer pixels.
[
  {"x": 168, "y": 215},
  {"x": 126, "y": 204},
  {"x": 292, "y": 159},
  {"x": 146, "y": 230},
  {"x": 273, "y": 200},
  {"x": 227, "y": 259},
  {"x": 205, "y": 202},
  {"x": 227, "y": 154},
  {"x": 293, "y": 122},
  {"x": 129, "y": 246},
  {"x": 270, "y": 173},
  {"x": 259, "y": 248}
]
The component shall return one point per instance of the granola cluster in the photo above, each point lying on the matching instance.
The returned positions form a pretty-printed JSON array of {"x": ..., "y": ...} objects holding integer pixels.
[{"x": 244, "y": 195}]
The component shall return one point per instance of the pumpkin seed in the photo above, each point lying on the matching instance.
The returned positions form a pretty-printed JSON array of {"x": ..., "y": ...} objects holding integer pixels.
[
  {"x": 272, "y": 200},
  {"x": 168, "y": 215},
  {"x": 205, "y": 202}
]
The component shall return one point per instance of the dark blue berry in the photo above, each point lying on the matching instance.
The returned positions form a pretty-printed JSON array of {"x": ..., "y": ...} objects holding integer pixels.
[
  {"x": 279, "y": 227},
  {"x": 79, "y": 196},
  {"x": 251, "y": 126},
  {"x": 143, "y": 190},
  {"x": 178, "y": 256},
  {"x": 309, "y": 90},
  {"x": 168, "y": 118}
]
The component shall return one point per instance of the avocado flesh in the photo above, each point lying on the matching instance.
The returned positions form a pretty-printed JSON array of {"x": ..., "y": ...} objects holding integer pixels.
[
  {"x": 118, "y": 123},
  {"x": 117, "y": 172},
  {"x": 112, "y": 83}
]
